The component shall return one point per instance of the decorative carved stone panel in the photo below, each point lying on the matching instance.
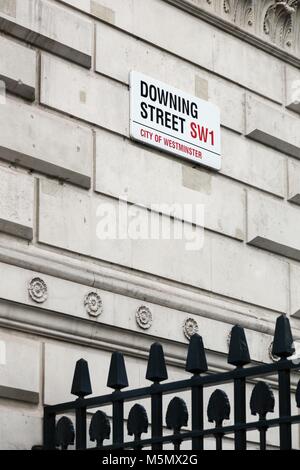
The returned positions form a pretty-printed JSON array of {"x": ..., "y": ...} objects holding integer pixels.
[
  {"x": 240, "y": 12},
  {"x": 280, "y": 23}
]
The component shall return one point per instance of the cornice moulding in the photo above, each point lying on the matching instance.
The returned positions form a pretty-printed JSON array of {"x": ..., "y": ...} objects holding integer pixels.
[{"x": 143, "y": 287}]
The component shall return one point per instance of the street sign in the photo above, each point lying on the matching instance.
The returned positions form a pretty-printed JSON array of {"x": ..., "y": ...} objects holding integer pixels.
[{"x": 173, "y": 121}]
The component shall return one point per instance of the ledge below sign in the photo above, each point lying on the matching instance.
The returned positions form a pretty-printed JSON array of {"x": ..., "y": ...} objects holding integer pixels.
[{"x": 175, "y": 122}]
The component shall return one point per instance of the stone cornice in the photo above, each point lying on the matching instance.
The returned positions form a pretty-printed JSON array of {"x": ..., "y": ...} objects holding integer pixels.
[
  {"x": 144, "y": 287},
  {"x": 270, "y": 25}
]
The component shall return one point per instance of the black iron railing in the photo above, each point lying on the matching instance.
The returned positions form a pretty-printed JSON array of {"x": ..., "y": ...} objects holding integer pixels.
[{"x": 60, "y": 432}]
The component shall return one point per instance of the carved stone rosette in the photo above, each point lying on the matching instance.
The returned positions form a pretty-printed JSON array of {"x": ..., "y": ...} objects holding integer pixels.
[
  {"x": 93, "y": 304},
  {"x": 190, "y": 327},
  {"x": 38, "y": 290},
  {"x": 144, "y": 317}
]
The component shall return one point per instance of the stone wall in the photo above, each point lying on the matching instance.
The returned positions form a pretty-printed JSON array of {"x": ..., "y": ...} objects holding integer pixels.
[{"x": 65, "y": 151}]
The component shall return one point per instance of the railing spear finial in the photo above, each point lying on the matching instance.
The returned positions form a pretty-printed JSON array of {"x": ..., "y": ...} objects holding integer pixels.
[
  {"x": 81, "y": 386},
  {"x": 238, "y": 350},
  {"x": 117, "y": 377},
  {"x": 196, "y": 359},
  {"x": 156, "y": 370},
  {"x": 283, "y": 345}
]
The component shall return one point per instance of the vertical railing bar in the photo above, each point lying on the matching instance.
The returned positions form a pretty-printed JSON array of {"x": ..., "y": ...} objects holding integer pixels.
[
  {"x": 118, "y": 419},
  {"x": 177, "y": 442},
  {"x": 239, "y": 356},
  {"x": 219, "y": 442},
  {"x": 285, "y": 429},
  {"x": 263, "y": 438},
  {"x": 156, "y": 416},
  {"x": 138, "y": 446},
  {"x": 240, "y": 437},
  {"x": 117, "y": 380},
  {"x": 197, "y": 417},
  {"x": 196, "y": 364},
  {"x": 81, "y": 425},
  {"x": 49, "y": 430}
]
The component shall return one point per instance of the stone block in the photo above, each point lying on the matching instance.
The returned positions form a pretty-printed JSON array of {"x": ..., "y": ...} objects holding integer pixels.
[
  {"x": 254, "y": 164},
  {"x": 16, "y": 203},
  {"x": 295, "y": 289},
  {"x": 272, "y": 127},
  {"x": 50, "y": 26},
  {"x": 18, "y": 68},
  {"x": 294, "y": 181},
  {"x": 90, "y": 97},
  {"x": 40, "y": 141},
  {"x": 249, "y": 275},
  {"x": 20, "y": 430},
  {"x": 292, "y": 83},
  {"x": 273, "y": 225},
  {"x": 20, "y": 367}
]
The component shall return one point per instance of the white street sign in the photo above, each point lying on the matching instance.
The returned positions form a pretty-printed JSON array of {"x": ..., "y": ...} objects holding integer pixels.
[{"x": 173, "y": 121}]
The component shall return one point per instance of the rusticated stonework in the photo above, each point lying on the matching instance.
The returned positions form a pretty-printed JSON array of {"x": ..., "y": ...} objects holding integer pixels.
[{"x": 274, "y": 21}]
